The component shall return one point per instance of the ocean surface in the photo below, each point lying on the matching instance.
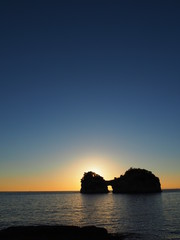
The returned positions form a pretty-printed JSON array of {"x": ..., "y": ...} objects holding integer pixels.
[{"x": 152, "y": 216}]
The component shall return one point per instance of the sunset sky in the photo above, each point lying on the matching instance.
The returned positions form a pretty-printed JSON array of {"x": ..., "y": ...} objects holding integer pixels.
[{"x": 88, "y": 85}]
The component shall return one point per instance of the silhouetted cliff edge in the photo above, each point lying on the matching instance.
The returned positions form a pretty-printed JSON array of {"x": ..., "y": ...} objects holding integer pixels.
[{"x": 135, "y": 180}]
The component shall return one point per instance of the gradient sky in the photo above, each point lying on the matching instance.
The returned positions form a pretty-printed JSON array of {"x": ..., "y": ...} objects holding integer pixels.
[{"x": 88, "y": 85}]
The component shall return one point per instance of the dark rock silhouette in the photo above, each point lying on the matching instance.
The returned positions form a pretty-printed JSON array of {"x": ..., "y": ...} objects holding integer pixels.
[
  {"x": 62, "y": 233},
  {"x": 93, "y": 183},
  {"x": 135, "y": 180},
  {"x": 54, "y": 233}
]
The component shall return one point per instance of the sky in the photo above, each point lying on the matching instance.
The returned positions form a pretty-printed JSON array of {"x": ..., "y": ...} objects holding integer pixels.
[{"x": 88, "y": 86}]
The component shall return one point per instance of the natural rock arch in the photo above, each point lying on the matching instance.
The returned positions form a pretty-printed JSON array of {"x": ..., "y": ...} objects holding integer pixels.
[{"x": 135, "y": 180}]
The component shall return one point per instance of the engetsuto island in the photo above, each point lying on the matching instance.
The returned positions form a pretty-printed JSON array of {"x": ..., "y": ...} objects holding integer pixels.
[{"x": 135, "y": 180}]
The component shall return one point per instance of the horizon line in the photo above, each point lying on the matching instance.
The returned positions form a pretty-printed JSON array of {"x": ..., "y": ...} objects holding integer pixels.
[{"x": 65, "y": 191}]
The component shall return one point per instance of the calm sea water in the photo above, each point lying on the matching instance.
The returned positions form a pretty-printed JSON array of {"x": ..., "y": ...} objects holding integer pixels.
[{"x": 154, "y": 216}]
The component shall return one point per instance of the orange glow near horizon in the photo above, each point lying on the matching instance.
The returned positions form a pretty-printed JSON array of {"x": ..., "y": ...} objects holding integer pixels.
[
  {"x": 170, "y": 182},
  {"x": 60, "y": 184},
  {"x": 62, "y": 178},
  {"x": 68, "y": 177}
]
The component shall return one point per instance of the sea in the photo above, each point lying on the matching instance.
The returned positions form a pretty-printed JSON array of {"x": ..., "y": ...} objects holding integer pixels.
[{"x": 137, "y": 216}]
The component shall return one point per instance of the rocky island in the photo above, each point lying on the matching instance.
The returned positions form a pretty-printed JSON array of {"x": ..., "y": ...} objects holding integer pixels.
[
  {"x": 93, "y": 183},
  {"x": 135, "y": 180}
]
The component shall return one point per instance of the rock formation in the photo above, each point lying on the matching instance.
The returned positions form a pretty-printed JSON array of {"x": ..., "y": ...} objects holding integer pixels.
[
  {"x": 135, "y": 180},
  {"x": 55, "y": 233},
  {"x": 93, "y": 183}
]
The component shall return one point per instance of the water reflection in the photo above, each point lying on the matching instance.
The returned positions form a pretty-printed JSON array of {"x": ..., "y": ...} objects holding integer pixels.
[
  {"x": 123, "y": 212},
  {"x": 145, "y": 214}
]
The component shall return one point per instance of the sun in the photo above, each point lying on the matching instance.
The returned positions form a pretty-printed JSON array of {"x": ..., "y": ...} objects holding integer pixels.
[
  {"x": 96, "y": 170},
  {"x": 94, "y": 164}
]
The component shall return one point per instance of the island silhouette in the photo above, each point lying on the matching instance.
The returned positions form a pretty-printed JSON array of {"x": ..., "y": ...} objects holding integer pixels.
[{"x": 135, "y": 180}]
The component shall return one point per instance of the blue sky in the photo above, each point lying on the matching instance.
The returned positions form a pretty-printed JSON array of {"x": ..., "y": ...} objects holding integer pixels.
[{"x": 85, "y": 78}]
